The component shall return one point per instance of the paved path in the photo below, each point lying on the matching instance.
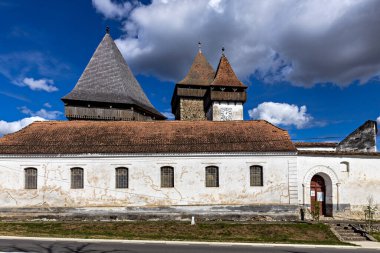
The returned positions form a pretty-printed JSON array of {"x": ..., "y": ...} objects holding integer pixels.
[{"x": 51, "y": 245}]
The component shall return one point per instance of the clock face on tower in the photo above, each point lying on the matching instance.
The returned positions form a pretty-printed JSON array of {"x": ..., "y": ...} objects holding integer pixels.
[{"x": 226, "y": 113}]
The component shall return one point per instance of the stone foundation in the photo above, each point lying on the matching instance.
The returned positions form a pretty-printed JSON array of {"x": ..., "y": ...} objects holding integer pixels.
[{"x": 225, "y": 213}]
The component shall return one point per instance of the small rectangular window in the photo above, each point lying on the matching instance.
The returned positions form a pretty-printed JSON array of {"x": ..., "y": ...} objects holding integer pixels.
[
  {"x": 30, "y": 178},
  {"x": 212, "y": 176},
  {"x": 76, "y": 178},
  {"x": 256, "y": 175},
  {"x": 121, "y": 177},
  {"x": 167, "y": 176}
]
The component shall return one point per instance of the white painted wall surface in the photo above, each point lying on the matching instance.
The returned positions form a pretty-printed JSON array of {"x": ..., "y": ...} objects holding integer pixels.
[
  {"x": 144, "y": 181},
  {"x": 218, "y": 108},
  {"x": 352, "y": 187}
]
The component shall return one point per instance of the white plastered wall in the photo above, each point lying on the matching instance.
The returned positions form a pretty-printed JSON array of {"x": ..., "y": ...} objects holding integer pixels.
[
  {"x": 347, "y": 187},
  {"x": 53, "y": 188}
]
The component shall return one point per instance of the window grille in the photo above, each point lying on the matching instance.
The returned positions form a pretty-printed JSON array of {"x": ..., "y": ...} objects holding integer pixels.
[
  {"x": 76, "y": 178},
  {"x": 212, "y": 176},
  {"x": 121, "y": 177},
  {"x": 167, "y": 176},
  {"x": 256, "y": 175},
  {"x": 30, "y": 178}
]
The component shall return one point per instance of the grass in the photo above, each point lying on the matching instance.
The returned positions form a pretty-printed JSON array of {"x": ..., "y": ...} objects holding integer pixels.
[
  {"x": 149, "y": 230},
  {"x": 376, "y": 235}
]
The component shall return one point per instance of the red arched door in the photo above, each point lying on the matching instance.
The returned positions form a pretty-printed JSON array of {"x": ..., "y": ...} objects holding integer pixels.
[{"x": 318, "y": 194}]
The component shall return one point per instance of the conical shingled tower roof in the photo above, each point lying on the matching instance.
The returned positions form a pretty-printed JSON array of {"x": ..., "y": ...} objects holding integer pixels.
[
  {"x": 108, "y": 79},
  {"x": 200, "y": 73},
  {"x": 225, "y": 76}
]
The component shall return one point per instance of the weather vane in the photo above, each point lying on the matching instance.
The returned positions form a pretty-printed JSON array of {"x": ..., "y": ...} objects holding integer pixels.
[
  {"x": 107, "y": 29},
  {"x": 200, "y": 46}
]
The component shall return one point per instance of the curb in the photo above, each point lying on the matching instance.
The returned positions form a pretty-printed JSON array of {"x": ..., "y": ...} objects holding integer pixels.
[{"x": 178, "y": 242}]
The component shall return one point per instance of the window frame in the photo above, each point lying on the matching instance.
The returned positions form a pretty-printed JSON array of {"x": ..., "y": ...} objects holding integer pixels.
[
  {"x": 121, "y": 183},
  {"x": 74, "y": 184},
  {"x": 215, "y": 174},
  {"x": 28, "y": 178},
  {"x": 167, "y": 177},
  {"x": 260, "y": 174}
]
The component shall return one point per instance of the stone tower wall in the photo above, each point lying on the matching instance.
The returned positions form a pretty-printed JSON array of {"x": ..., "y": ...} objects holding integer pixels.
[{"x": 191, "y": 109}]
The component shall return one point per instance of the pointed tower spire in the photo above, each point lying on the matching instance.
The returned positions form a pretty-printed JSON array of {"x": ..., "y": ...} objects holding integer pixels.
[
  {"x": 201, "y": 72},
  {"x": 108, "y": 90},
  {"x": 225, "y": 75}
]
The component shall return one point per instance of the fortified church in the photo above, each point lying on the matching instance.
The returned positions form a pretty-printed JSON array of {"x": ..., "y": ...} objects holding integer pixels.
[{"x": 117, "y": 156}]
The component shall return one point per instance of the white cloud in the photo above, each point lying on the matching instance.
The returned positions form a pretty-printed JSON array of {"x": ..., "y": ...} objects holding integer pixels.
[
  {"x": 282, "y": 114},
  {"x": 10, "y": 127},
  {"x": 18, "y": 65},
  {"x": 41, "y": 113},
  {"x": 303, "y": 42},
  {"x": 47, "y": 105},
  {"x": 40, "y": 84},
  {"x": 112, "y": 9}
]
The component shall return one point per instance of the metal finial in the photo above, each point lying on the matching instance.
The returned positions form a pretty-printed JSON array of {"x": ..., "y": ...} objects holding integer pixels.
[
  {"x": 222, "y": 50},
  {"x": 108, "y": 29},
  {"x": 200, "y": 47}
]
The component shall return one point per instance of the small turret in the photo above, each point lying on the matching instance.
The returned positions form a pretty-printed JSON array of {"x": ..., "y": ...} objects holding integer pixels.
[
  {"x": 189, "y": 94},
  {"x": 226, "y": 95}
]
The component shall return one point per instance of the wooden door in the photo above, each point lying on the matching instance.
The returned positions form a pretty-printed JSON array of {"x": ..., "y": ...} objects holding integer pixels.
[{"x": 318, "y": 194}]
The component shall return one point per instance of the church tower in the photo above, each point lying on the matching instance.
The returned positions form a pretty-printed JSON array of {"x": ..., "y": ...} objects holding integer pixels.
[
  {"x": 227, "y": 94},
  {"x": 189, "y": 94},
  {"x": 108, "y": 90}
]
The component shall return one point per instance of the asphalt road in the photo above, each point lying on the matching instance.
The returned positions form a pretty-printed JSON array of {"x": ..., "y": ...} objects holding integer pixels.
[{"x": 22, "y": 245}]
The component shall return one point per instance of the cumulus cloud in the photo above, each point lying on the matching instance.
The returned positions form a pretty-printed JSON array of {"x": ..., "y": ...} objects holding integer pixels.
[
  {"x": 282, "y": 114},
  {"x": 111, "y": 9},
  {"x": 10, "y": 127},
  {"x": 301, "y": 42},
  {"x": 40, "y": 84},
  {"x": 41, "y": 113},
  {"x": 48, "y": 105},
  {"x": 378, "y": 120}
]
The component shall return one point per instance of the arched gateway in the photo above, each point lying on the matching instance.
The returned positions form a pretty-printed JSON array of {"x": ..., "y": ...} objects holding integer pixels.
[
  {"x": 321, "y": 185},
  {"x": 318, "y": 195}
]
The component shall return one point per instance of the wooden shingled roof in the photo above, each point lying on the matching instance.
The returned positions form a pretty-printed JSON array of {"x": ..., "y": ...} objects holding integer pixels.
[
  {"x": 123, "y": 137},
  {"x": 225, "y": 75},
  {"x": 200, "y": 73},
  {"x": 107, "y": 78}
]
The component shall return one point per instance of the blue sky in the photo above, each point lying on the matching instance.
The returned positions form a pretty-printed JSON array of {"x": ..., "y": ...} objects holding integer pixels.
[{"x": 318, "y": 80}]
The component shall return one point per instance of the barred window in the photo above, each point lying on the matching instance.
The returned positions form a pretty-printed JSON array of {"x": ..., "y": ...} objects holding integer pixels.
[
  {"x": 256, "y": 175},
  {"x": 30, "y": 178},
  {"x": 76, "y": 178},
  {"x": 167, "y": 176},
  {"x": 121, "y": 177},
  {"x": 212, "y": 176}
]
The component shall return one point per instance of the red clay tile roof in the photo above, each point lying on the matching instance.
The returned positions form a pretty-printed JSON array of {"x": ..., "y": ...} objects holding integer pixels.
[
  {"x": 82, "y": 137},
  {"x": 200, "y": 73},
  {"x": 225, "y": 75},
  {"x": 316, "y": 144}
]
